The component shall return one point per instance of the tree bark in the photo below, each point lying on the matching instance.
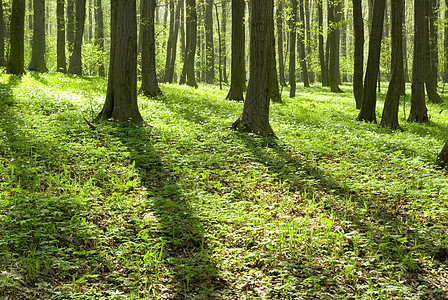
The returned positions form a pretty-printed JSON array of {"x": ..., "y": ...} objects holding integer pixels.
[
  {"x": 2, "y": 35},
  {"x": 419, "y": 112},
  {"x": 210, "y": 49},
  {"x": 38, "y": 50},
  {"x": 223, "y": 40},
  {"x": 391, "y": 104},
  {"x": 432, "y": 55},
  {"x": 75, "y": 66},
  {"x": 368, "y": 107},
  {"x": 172, "y": 45},
  {"x": 16, "y": 52},
  {"x": 188, "y": 75},
  {"x": 334, "y": 9},
  {"x": 70, "y": 24},
  {"x": 323, "y": 65},
  {"x": 442, "y": 158},
  {"x": 121, "y": 98},
  {"x": 238, "y": 64},
  {"x": 358, "y": 69},
  {"x": 301, "y": 41},
  {"x": 281, "y": 64},
  {"x": 274, "y": 90},
  {"x": 255, "y": 115},
  {"x": 150, "y": 86},
  {"x": 61, "y": 59},
  {"x": 292, "y": 49},
  {"x": 99, "y": 33}
]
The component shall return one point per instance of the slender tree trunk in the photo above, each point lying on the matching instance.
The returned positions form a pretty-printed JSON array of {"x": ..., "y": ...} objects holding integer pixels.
[
  {"x": 323, "y": 65},
  {"x": 432, "y": 55},
  {"x": 223, "y": 40},
  {"x": 292, "y": 48},
  {"x": 367, "y": 112},
  {"x": 301, "y": 41},
  {"x": 121, "y": 98},
  {"x": 344, "y": 42},
  {"x": 280, "y": 20},
  {"x": 17, "y": 47},
  {"x": 358, "y": 70},
  {"x": 2, "y": 35},
  {"x": 182, "y": 30},
  {"x": 391, "y": 104},
  {"x": 255, "y": 115},
  {"x": 70, "y": 24},
  {"x": 274, "y": 90},
  {"x": 307, "y": 21},
  {"x": 75, "y": 66},
  {"x": 188, "y": 75},
  {"x": 419, "y": 112},
  {"x": 38, "y": 50},
  {"x": 210, "y": 49},
  {"x": 99, "y": 33},
  {"x": 334, "y": 9},
  {"x": 172, "y": 44},
  {"x": 238, "y": 64},
  {"x": 61, "y": 59}
]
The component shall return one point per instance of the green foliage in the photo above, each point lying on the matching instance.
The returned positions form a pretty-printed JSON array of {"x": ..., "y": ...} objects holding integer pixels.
[
  {"x": 92, "y": 58},
  {"x": 184, "y": 207}
]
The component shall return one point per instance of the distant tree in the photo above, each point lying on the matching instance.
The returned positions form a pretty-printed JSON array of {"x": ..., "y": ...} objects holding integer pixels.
[
  {"x": 419, "y": 112},
  {"x": 223, "y": 41},
  {"x": 302, "y": 49},
  {"x": 292, "y": 48},
  {"x": 60, "y": 19},
  {"x": 16, "y": 52},
  {"x": 358, "y": 69},
  {"x": 70, "y": 24},
  {"x": 38, "y": 47},
  {"x": 334, "y": 11},
  {"x": 75, "y": 66},
  {"x": 188, "y": 75},
  {"x": 367, "y": 112},
  {"x": 255, "y": 115},
  {"x": 2, "y": 35},
  {"x": 121, "y": 97},
  {"x": 432, "y": 54},
  {"x": 323, "y": 64},
  {"x": 99, "y": 33},
  {"x": 150, "y": 86},
  {"x": 209, "y": 46},
  {"x": 391, "y": 104},
  {"x": 280, "y": 20},
  {"x": 238, "y": 64},
  {"x": 172, "y": 44}
]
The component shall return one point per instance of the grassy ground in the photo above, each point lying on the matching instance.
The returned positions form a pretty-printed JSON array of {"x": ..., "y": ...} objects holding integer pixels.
[{"x": 185, "y": 208}]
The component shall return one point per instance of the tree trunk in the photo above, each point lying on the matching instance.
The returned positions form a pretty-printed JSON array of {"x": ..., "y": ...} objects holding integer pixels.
[
  {"x": 188, "y": 75},
  {"x": 75, "y": 66},
  {"x": 445, "y": 43},
  {"x": 255, "y": 115},
  {"x": 150, "y": 86},
  {"x": 281, "y": 64},
  {"x": 70, "y": 24},
  {"x": 301, "y": 41},
  {"x": 432, "y": 55},
  {"x": 292, "y": 48},
  {"x": 121, "y": 98},
  {"x": 442, "y": 158},
  {"x": 99, "y": 33},
  {"x": 274, "y": 90},
  {"x": 61, "y": 60},
  {"x": 334, "y": 9},
  {"x": 323, "y": 65},
  {"x": 2, "y": 36},
  {"x": 358, "y": 70},
  {"x": 223, "y": 41},
  {"x": 307, "y": 22},
  {"x": 368, "y": 107},
  {"x": 419, "y": 112},
  {"x": 172, "y": 44},
  {"x": 238, "y": 64},
  {"x": 391, "y": 104},
  {"x": 38, "y": 51},
  {"x": 343, "y": 31},
  {"x": 16, "y": 52},
  {"x": 182, "y": 30},
  {"x": 210, "y": 49}
]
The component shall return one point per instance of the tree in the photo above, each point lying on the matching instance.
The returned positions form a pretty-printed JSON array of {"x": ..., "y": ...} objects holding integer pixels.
[
  {"x": 99, "y": 33},
  {"x": 238, "y": 64},
  {"x": 223, "y": 41},
  {"x": 16, "y": 52},
  {"x": 323, "y": 64},
  {"x": 38, "y": 53},
  {"x": 121, "y": 97},
  {"x": 442, "y": 158},
  {"x": 172, "y": 44},
  {"x": 419, "y": 112},
  {"x": 281, "y": 64},
  {"x": 255, "y": 115},
  {"x": 391, "y": 104},
  {"x": 60, "y": 19},
  {"x": 75, "y": 66},
  {"x": 334, "y": 11},
  {"x": 292, "y": 48},
  {"x": 188, "y": 75},
  {"x": 70, "y": 24},
  {"x": 301, "y": 41},
  {"x": 209, "y": 47},
  {"x": 358, "y": 70},
  {"x": 150, "y": 86},
  {"x": 432, "y": 54},
  {"x": 2, "y": 35},
  {"x": 367, "y": 112}
]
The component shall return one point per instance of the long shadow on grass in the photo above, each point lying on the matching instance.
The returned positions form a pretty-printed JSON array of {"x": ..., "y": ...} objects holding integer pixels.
[
  {"x": 398, "y": 245},
  {"x": 187, "y": 270}
]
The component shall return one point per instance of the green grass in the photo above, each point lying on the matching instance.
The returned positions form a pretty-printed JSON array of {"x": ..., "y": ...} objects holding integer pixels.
[{"x": 185, "y": 208}]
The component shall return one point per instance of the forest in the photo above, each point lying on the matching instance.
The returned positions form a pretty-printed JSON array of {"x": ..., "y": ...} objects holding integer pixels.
[{"x": 223, "y": 149}]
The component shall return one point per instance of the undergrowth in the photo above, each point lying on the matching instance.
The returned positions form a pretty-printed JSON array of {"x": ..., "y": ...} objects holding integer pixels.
[{"x": 185, "y": 208}]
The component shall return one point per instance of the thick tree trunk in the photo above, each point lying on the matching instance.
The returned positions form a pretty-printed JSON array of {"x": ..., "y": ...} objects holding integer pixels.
[
  {"x": 323, "y": 65},
  {"x": 391, "y": 104},
  {"x": 16, "y": 52},
  {"x": 255, "y": 115},
  {"x": 281, "y": 64},
  {"x": 358, "y": 69},
  {"x": 150, "y": 86},
  {"x": 38, "y": 51},
  {"x": 188, "y": 75},
  {"x": 99, "y": 33},
  {"x": 405, "y": 49},
  {"x": 121, "y": 98},
  {"x": 70, "y": 24},
  {"x": 292, "y": 48},
  {"x": 334, "y": 9},
  {"x": 432, "y": 55},
  {"x": 368, "y": 107},
  {"x": 61, "y": 60},
  {"x": 75, "y": 66},
  {"x": 419, "y": 112},
  {"x": 301, "y": 41},
  {"x": 210, "y": 49},
  {"x": 442, "y": 158}
]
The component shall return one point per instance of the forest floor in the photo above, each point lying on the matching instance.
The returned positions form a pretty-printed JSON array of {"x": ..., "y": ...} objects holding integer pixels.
[{"x": 186, "y": 208}]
